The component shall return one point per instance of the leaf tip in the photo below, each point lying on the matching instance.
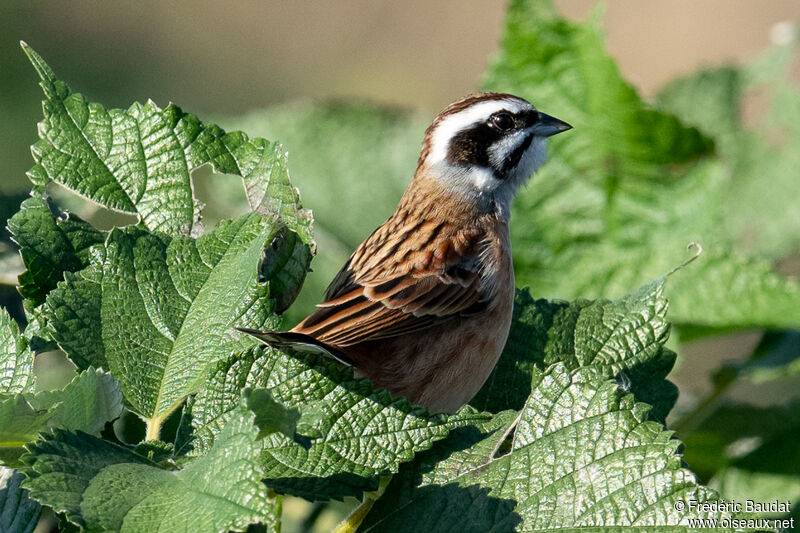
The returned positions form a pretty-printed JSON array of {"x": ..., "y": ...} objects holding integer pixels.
[{"x": 44, "y": 71}]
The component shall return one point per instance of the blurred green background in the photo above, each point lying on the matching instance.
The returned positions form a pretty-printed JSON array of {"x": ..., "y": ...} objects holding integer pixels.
[{"x": 226, "y": 61}]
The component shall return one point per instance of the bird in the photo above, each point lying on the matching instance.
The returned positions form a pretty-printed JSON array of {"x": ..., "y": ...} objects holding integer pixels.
[{"x": 423, "y": 306}]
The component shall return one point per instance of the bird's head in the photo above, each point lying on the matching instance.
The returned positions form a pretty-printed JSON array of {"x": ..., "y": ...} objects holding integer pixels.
[{"x": 486, "y": 146}]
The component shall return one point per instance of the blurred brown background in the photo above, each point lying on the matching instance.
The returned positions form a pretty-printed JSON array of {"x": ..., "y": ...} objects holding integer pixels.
[{"x": 229, "y": 57}]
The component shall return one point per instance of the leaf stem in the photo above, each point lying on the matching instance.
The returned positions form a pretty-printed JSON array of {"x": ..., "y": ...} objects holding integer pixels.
[
  {"x": 153, "y": 428},
  {"x": 278, "y": 511},
  {"x": 353, "y": 522}
]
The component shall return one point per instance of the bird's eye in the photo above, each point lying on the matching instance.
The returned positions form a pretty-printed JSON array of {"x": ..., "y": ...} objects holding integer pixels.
[{"x": 502, "y": 121}]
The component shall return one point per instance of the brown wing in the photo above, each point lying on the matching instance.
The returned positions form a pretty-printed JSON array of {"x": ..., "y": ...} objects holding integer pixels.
[{"x": 401, "y": 280}]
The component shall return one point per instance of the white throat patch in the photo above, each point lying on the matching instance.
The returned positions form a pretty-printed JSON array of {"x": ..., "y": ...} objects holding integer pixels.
[{"x": 483, "y": 182}]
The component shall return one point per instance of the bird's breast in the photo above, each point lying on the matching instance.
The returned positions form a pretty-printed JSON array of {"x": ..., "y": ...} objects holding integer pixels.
[{"x": 444, "y": 367}]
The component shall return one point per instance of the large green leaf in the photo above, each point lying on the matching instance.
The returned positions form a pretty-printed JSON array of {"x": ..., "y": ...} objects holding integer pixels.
[
  {"x": 130, "y": 160},
  {"x": 18, "y": 513},
  {"x": 623, "y": 192},
  {"x": 622, "y": 339},
  {"x": 76, "y": 474},
  {"x": 16, "y": 359},
  {"x": 545, "y": 58},
  {"x": 157, "y": 308},
  {"x": 139, "y": 160},
  {"x": 62, "y": 465},
  {"x": 50, "y": 244},
  {"x": 583, "y": 455},
  {"x": 348, "y": 433},
  {"x": 159, "y": 312}
]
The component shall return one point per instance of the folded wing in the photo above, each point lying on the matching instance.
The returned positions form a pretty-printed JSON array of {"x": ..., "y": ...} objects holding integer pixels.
[{"x": 400, "y": 282}]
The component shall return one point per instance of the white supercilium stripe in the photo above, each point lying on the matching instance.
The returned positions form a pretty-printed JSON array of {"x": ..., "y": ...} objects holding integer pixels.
[{"x": 465, "y": 118}]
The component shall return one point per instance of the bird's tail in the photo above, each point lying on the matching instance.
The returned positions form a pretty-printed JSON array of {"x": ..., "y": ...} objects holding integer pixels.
[{"x": 298, "y": 341}]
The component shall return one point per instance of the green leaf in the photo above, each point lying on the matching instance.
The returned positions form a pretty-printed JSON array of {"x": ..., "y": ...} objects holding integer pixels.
[
  {"x": 61, "y": 466},
  {"x": 18, "y": 513},
  {"x": 220, "y": 492},
  {"x": 74, "y": 311},
  {"x": 731, "y": 290},
  {"x": 131, "y": 160},
  {"x": 545, "y": 58},
  {"x": 758, "y": 204},
  {"x": 90, "y": 400},
  {"x": 86, "y": 403},
  {"x": 139, "y": 160},
  {"x": 709, "y": 99},
  {"x": 738, "y": 484},
  {"x": 50, "y": 244},
  {"x": 20, "y": 423},
  {"x": 285, "y": 264},
  {"x": 622, "y": 338},
  {"x": 359, "y": 432},
  {"x": 327, "y": 140},
  {"x": 16, "y": 359},
  {"x": 159, "y": 312},
  {"x": 624, "y": 192},
  {"x": 583, "y": 455}
]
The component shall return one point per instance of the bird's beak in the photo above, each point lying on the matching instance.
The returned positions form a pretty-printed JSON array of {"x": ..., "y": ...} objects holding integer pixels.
[{"x": 547, "y": 126}]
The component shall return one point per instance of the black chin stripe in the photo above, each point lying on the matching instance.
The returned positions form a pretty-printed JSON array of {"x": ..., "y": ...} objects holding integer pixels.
[{"x": 513, "y": 160}]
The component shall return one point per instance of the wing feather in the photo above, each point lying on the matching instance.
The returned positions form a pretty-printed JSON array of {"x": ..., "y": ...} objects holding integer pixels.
[{"x": 400, "y": 282}]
